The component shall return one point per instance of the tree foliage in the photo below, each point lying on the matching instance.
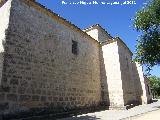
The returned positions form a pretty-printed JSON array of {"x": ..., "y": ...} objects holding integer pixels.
[
  {"x": 155, "y": 85},
  {"x": 147, "y": 20}
]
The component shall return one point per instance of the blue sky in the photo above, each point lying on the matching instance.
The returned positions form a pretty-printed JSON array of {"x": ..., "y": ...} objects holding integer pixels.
[{"x": 116, "y": 19}]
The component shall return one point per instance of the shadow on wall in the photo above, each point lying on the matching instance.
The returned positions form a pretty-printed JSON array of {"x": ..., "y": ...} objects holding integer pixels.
[
  {"x": 3, "y": 80},
  {"x": 148, "y": 90},
  {"x": 104, "y": 83},
  {"x": 138, "y": 84},
  {"x": 131, "y": 84},
  {"x": 136, "y": 87}
]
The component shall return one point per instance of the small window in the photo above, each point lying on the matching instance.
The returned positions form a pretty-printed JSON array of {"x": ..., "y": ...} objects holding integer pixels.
[
  {"x": 74, "y": 47},
  {"x": 127, "y": 62}
]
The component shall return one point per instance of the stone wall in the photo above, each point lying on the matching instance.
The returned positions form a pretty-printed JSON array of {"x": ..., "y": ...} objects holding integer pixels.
[
  {"x": 103, "y": 35},
  {"x": 93, "y": 33},
  {"x": 40, "y": 66},
  {"x": 142, "y": 83},
  {"x": 98, "y": 33},
  {"x": 4, "y": 21},
  {"x": 128, "y": 86},
  {"x": 104, "y": 80},
  {"x": 122, "y": 78},
  {"x": 113, "y": 73},
  {"x": 137, "y": 82},
  {"x": 40, "y": 69},
  {"x": 148, "y": 90}
]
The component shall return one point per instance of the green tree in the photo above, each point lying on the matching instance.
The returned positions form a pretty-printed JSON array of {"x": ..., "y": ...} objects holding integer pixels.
[
  {"x": 155, "y": 85},
  {"x": 147, "y": 21}
]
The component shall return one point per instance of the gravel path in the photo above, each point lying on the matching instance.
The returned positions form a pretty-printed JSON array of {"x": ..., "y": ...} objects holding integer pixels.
[{"x": 117, "y": 114}]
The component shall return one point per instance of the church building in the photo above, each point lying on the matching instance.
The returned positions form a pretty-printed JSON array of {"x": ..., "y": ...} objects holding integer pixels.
[{"x": 46, "y": 62}]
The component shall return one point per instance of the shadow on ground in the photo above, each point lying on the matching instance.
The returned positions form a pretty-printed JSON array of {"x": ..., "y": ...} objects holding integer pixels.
[
  {"x": 82, "y": 118},
  {"x": 154, "y": 101}
]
